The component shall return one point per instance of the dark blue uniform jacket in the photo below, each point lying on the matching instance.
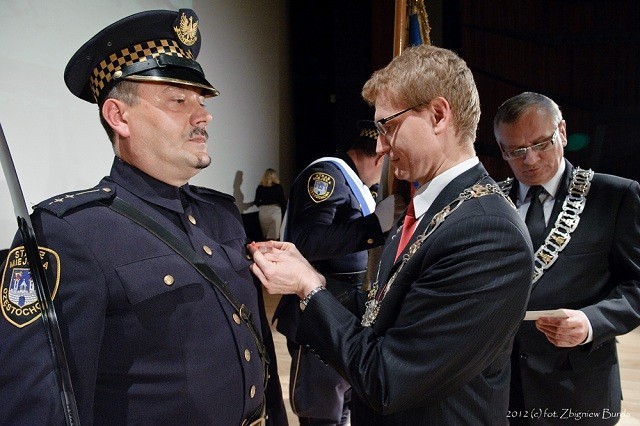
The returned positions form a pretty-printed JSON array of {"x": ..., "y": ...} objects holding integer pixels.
[
  {"x": 327, "y": 226},
  {"x": 148, "y": 340}
]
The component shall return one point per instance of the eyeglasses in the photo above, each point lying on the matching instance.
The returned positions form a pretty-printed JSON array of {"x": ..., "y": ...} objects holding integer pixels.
[
  {"x": 380, "y": 124},
  {"x": 539, "y": 147}
]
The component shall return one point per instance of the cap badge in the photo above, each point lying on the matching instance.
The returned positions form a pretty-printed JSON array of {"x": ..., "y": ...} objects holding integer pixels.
[{"x": 187, "y": 32}]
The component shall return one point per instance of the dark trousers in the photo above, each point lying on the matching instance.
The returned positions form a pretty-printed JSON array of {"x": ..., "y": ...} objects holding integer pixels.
[{"x": 318, "y": 394}]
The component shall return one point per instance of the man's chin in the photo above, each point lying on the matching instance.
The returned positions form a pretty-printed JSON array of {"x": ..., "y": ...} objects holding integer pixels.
[
  {"x": 400, "y": 175},
  {"x": 203, "y": 162}
]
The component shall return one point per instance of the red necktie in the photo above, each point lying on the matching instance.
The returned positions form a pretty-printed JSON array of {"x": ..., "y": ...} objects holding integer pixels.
[{"x": 408, "y": 227}]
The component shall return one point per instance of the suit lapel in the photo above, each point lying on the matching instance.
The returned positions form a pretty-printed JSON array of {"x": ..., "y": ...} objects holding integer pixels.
[
  {"x": 513, "y": 191},
  {"x": 446, "y": 196},
  {"x": 388, "y": 265},
  {"x": 561, "y": 193},
  {"x": 563, "y": 190}
]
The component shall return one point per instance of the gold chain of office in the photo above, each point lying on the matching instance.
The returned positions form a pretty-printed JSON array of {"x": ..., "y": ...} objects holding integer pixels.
[
  {"x": 566, "y": 223},
  {"x": 372, "y": 306}
]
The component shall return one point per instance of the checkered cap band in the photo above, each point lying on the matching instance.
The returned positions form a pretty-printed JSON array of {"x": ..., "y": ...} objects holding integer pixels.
[
  {"x": 103, "y": 73},
  {"x": 369, "y": 133}
]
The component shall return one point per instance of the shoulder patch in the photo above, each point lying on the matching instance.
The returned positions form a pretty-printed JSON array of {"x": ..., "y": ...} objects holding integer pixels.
[
  {"x": 201, "y": 190},
  {"x": 61, "y": 204},
  {"x": 320, "y": 186},
  {"x": 20, "y": 305}
]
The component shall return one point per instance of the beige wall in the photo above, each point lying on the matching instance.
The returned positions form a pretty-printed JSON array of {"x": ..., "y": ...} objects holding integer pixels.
[{"x": 56, "y": 139}]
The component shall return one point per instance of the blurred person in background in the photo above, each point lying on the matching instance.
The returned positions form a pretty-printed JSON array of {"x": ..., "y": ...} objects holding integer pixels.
[{"x": 271, "y": 203}]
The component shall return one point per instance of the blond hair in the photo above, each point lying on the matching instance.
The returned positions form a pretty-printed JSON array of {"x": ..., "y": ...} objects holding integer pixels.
[
  {"x": 269, "y": 178},
  {"x": 422, "y": 73}
]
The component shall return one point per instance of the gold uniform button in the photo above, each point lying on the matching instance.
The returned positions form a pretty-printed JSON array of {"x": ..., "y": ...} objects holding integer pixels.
[
  {"x": 247, "y": 355},
  {"x": 207, "y": 250},
  {"x": 106, "y": 189},
  {"x": 252, "y": 392},
  {"x": 370, "y": 241},
  {"x": 236, "y": 318},
  {"x": 192, "y": 219},
  {"x": 168, "y": 279}
]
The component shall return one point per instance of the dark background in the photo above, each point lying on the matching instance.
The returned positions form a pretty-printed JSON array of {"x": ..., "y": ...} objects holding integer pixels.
[{"x": 584, "y": 54}]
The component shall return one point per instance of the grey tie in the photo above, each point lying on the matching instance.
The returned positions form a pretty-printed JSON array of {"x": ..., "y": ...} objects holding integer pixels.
[{"x": 535, "y": 216}]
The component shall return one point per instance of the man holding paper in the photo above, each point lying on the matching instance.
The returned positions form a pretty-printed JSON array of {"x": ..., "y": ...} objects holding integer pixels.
[{"x": 585, "y": 228}]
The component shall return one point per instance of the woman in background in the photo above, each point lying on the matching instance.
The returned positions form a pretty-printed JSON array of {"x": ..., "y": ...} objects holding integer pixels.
[{"x": 271, "y": 203}]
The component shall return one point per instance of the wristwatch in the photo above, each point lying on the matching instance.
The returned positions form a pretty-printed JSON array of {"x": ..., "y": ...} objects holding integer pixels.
[{"x": 304, "y": 302}]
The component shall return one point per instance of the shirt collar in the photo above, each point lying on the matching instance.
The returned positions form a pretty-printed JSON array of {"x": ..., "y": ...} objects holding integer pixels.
[
  {"x": 427, "y": 193},
  {"x": 146, "y": 187},
  {"x": 551, "y": 186}
]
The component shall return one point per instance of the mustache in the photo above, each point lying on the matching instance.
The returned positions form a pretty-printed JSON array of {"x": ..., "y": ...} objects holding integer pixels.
[{"x": 198, "y": 131}]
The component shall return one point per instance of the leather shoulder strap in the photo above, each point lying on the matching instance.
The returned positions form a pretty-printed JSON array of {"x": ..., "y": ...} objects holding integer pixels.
[{"x": 180, "y": 247}]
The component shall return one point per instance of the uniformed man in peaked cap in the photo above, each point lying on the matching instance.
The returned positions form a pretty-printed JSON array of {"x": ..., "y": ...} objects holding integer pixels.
[
  {"x": 331, "y": 219},
  {"x": 149, "y": 339}
]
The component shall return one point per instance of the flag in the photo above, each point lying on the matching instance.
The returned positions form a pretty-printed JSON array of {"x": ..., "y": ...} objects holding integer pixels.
[
  {"x": 411, "y": 29},
  {"x": 418, "y": 23}
]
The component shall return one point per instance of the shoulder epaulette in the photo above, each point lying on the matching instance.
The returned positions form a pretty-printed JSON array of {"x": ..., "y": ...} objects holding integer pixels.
[
  {"x": 201, "y": 190},
  {"x": 61, "y": 204}
]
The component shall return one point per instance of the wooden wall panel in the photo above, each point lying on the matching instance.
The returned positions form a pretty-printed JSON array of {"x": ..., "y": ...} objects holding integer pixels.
[{"x": 585, "y": 54}]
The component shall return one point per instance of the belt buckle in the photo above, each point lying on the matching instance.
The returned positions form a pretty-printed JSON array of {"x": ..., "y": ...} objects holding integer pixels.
[{"x": 261, "y": 421}]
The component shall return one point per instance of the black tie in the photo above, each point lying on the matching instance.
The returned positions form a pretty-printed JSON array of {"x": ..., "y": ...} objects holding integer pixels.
[{"x": 535, "y": 216}]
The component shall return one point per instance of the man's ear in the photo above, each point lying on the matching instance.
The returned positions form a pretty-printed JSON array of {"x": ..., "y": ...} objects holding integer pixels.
[
  {"x": 441, "y": 113},
  {"x": 113, "y": 112},
  {"x": 562, "y": 126}
]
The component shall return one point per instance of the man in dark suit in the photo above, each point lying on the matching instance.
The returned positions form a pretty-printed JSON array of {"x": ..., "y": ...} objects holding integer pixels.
[
  {"x": 587, "y": 267},
  {"x": 433, "y": 346},
  {"x": 148, "y": 339}
]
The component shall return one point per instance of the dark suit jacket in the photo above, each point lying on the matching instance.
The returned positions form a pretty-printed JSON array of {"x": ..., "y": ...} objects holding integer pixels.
[
  {"x": 599, "y": 273},
  {"x": 439, "y": 350}
]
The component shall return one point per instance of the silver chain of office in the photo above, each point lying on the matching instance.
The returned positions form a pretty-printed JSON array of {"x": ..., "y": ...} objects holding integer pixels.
[
  {"x": 373, "y": 303},
  {"x": 566, "y": 223}
]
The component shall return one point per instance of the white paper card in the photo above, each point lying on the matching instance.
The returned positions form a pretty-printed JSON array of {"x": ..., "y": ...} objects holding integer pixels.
[{"x": 534, "y": 315}]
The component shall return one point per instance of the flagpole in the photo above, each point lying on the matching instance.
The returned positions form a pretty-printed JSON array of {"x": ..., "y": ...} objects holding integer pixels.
[
  {"x": 400, "y": 35},
  {"x": 400, "y": 27}
]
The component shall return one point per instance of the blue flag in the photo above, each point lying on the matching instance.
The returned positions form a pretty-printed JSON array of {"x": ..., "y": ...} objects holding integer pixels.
[{"x": 418, "y": 24}]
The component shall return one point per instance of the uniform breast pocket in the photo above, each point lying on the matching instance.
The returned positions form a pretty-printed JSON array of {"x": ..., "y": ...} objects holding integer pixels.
[
  {"x": 151, "y": 277},
  {"x": 238, "y": 257}
]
